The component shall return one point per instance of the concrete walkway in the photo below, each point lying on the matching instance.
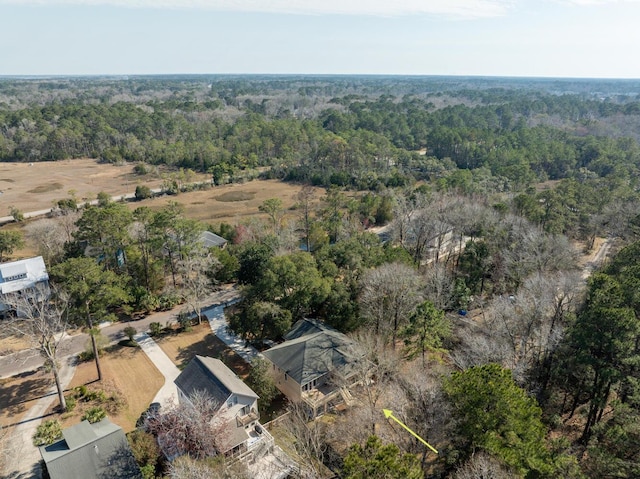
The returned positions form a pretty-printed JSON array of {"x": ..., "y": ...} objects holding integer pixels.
[
  {"x": 168, "y": 394},
  {"x": 26, "y": 456},
  {"x": 218, "y": 323}
]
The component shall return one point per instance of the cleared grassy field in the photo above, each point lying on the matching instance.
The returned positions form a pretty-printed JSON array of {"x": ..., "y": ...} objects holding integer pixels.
[
  {"x": 35, "y": 186},
  {"x": 232, "y": 203}
]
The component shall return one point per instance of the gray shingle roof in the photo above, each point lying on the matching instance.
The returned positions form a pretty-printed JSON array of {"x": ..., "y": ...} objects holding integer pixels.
[
  {"x": 312, "y": 350},
  {"x": 91, "y": 451},
  {"x": 210, "y": 240},
  {"x": 213, "y": 377}
]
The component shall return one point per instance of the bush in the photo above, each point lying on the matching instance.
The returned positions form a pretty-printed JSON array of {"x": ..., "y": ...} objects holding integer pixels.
[
  {"x": 47, "y": 433},
  {"x": 94, "y": 414},
  {"x": 71, "y": 403},
  {"x": 80, "y": 391},
  {"x": 168, "y": 301},
  {"x": 155, "y": 329},
  {"x": 140, "y": 169},
  {"x": 185, "y": 321},
  {"x": 17, "y": 214},
  {"x": 130, "y": 332},
  {"x": 115, "y": 403},
  {"x": 143, "y": 192},
  {"x": 145, "y": 449}
]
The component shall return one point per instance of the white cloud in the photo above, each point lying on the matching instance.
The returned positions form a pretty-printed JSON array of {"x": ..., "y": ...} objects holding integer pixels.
[{"x": 454, "y": 8}]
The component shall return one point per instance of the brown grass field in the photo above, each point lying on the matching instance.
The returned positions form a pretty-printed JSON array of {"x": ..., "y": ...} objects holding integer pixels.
[
  {"x": 232, "y": 203},
  {"x": 35, "y": 186},
  {"x": 181, "y": 347}
]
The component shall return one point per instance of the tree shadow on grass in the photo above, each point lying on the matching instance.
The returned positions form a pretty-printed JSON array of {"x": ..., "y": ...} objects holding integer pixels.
[{"x": 213, "y": 347}]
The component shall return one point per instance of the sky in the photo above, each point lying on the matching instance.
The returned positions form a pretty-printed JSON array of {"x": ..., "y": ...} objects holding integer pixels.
[{"x": 524, "y": 38}]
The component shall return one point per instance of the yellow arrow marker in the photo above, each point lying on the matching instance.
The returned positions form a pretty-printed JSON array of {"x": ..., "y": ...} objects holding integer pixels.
[{"x": 389, "y": 414}]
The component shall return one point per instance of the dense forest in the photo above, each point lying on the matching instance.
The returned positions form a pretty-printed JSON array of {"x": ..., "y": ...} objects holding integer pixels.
[{"x": 479, "y": 322}]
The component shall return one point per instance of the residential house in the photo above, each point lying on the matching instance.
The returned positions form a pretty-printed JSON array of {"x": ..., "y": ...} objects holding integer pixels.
[
  {"x": 91, "y": 451},
  {"x": 22, "y": 277},
  {"x": 212, "y": 240},
  {"x": 238, "y": 404},
  {"x": 315, "y": 364}
]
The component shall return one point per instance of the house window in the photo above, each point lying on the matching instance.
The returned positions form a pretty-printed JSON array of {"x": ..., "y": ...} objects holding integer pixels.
[
  {"x": 18, "y": 276},
  {"x": 245, "y": 410},
  {"x": 285, "y": 376},
  {"x": 231, "y": 401}
]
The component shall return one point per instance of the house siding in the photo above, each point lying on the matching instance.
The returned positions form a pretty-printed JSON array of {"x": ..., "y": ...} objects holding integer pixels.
[{"x": 286, "y": 384}]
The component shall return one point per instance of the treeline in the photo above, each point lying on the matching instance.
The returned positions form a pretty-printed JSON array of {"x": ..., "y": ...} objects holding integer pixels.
[{"x": 347, "y": 132}]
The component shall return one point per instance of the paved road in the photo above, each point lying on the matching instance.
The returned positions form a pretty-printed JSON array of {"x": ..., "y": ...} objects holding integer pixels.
[{"x": 24, "y": 361}]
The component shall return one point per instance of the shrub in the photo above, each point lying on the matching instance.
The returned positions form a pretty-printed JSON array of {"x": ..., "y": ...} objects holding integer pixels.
[
  {"x": 96, "y": 395},
  {"x": 185, "y": 321},
  {"x": 47, "y": 433},
  {"x": 80, "y": 391},
  {"x": 140, "y": 169},
  {"x": 145, "y": 449},
  {"x": 94, "y": 414},
  {"x": 71, "y": 403},
  {"x": 130, "y": 332},
  {"x": 155, "y": 329},
  {"x": 148, "y": 471},
  {"x": 143, "y": 192},
  {"x": 17, "y": 214},
  {"x": 168, "y": 301},
  {"x": 115, "y": 403}
]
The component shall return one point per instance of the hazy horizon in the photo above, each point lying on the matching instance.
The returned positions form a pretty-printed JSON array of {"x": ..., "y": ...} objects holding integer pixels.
[{"x": 573, "y": 39}]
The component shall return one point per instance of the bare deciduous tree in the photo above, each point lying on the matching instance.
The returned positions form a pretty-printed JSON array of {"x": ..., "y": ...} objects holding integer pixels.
[
  {"x": 41, "y": 319},
  {"x": 186, "y": 467},
  {"x": 192, "y": 428},
  {"x": 439, "y": 286},
  {"x": 483, "y": 466},
  {"x": 50, "y": 235},
  {"x": 522, "y": 331},
  {"x": 310, "y": 439},
  {"x": 389, "y": 294},
  {"x": 373, "y": 373},
  {"x": 424, "y": 407},
  {"x": 196, "y": 280}
]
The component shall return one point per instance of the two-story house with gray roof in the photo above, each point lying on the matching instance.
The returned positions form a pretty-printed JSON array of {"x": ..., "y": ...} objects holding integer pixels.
[
  {"x": 238, "y": 402},
  {"x": 314, "y": 364}
]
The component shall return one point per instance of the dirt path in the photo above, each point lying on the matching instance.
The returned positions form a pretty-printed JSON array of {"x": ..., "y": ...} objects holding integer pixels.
[{"x": 597, "y": 259}]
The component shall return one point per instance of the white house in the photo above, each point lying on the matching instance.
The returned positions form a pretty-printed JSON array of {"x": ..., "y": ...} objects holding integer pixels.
[{"x": 20, "y": 277}]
